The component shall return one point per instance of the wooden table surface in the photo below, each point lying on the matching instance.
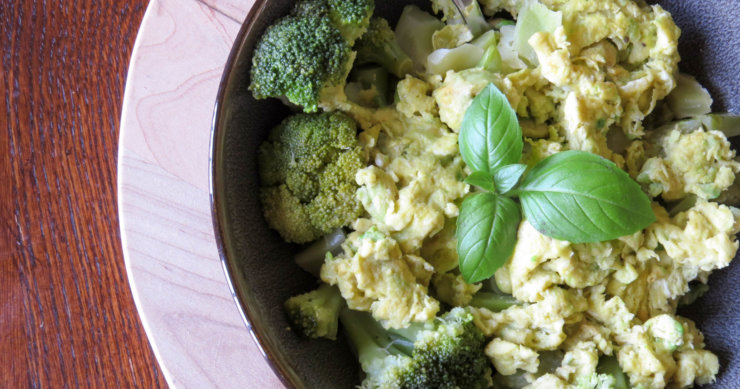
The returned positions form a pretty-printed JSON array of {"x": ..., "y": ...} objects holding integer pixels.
[
  {"x": 68, "y": 318},
  {"x": 105, "y": 217}
]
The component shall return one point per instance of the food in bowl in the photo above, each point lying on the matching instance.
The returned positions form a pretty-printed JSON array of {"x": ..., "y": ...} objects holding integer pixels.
[{"x": 509, "y": 194}]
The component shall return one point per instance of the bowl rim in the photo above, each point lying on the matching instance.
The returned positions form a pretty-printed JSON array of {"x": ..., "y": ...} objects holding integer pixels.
[{"x": 216, "y": 200}]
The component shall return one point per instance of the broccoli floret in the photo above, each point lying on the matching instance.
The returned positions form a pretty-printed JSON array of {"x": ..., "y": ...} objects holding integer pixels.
[
  {"x": 378, "y": 45},
  {"x": 316, "y": 314},
  {"x": 307, "y": 168},
  {"x": 285, "y": 213},
  {"x": 351, "y": 16},
  {"x": 308, "y": 53},
  {"x": 447, "y": 352}
]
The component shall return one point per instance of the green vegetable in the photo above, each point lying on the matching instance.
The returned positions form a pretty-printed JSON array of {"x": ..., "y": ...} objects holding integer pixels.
[
  {"x": 609, "y": 365},
  {"x": 581, "y": 197},
  {"x": 729, "y": 124},
  {"x": 510, "y": 60},
  {"x": 688, "y": 98},
  {"x": 494, "y": 302},
  {"x": 447, "y": 352},
  {"x": 308, "y": 53},
  {"x": 682, "y": 205},
  {"x": 491, "y": 59},
  {"x": 490, "y": 135},
  {"x": 316, "y": 314},
  {"x": 481, "y": 52},
  {"x": 368, "y": 86},
  {"x": 469, "y": 14},
  {"x": 486, "y": 234},
  {"x": 497, "y": 23},
  {"x": 572, "y": 195},
  {"x": 350, "y": 16},
  {"x": 465, "y": 56},
  {"x": 414, "y": 34},
  {"x": 379, "y": 45},
  {"x": 533, "y": 18},
  {"x": 451, "y": 36},
  {"x": 307, "y": 170},
  {"x": 314, "y": 255}
]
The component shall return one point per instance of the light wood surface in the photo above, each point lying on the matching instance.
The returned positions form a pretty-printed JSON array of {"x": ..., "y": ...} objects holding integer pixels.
[{"x": 171, "y": 258}]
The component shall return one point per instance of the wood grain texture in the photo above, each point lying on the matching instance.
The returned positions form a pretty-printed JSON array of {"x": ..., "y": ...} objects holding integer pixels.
[
  {"x": 68, "y": 318},
  {"x": 234, "y": 9},
  {"x": 170, "y": 252}
]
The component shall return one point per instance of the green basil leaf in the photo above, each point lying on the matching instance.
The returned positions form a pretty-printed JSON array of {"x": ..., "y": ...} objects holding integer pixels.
[
  {"x": 506, "y": 177},
  {"x": 490, "y": 135},
  {"x": 482, "y": 180},
  {"x": 486, "y": 234},
  {"x": 581, "y": 197}
]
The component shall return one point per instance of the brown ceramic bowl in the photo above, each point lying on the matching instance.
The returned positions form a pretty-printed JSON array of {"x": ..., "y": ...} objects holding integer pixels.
[{"x": 259, "y": 265}]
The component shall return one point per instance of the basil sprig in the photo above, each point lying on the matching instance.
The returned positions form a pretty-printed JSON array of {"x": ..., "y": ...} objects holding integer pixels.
[
  {"x": 486, "y": 232},
  {"x": 581, "y": 197},
  {"x": 490, "y": 135},
  {"x": 572, "y": 195}
]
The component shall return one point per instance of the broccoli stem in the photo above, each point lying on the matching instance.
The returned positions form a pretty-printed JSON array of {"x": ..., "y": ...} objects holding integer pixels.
[
  {"x": 497, "y": 23},
  {"x": 465, "y": 56},
  {"x": 379, "y": 46},
  {"x": 368, "y": 86},
  {"x": 729, "y": 124},
  {"x": 609, "y": 365},
  {"x": 682, "y": 205},
  {"x": 312, "y": 258},
  {"x": 458, "y": 11},
  {"x": 533, "y": 18},
  {"x": 414, "y": 34},
  {"x": 493, "y": 301},
  {"x": 491, "y": 59},
  {"x": 371, "y": 341},
  {"x": 472, "y": 16},
  {"x": 688, "y": 98}
]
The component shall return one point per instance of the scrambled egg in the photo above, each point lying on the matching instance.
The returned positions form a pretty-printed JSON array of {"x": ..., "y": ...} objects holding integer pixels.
[
  {"x": 599, "y": 75},
  {"x": 374, "y": 275},
  {"x": 690, "y": 161}
]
